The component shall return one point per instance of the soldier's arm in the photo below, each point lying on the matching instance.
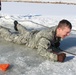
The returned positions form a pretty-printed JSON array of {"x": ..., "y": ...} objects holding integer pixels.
[{"x": 43, "y": 46}]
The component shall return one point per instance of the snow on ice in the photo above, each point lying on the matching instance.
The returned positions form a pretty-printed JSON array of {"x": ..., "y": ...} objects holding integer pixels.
[{"x": 25, "y": 61}]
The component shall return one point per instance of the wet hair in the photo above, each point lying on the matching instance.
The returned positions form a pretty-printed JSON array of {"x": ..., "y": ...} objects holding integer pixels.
[{"x": 64, "y": 23}]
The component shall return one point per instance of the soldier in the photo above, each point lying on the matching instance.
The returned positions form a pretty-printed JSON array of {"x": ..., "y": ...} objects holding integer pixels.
[{"x": 46, "y": 41}]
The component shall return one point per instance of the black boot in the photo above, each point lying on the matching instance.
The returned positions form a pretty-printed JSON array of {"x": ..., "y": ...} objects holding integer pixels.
[{"x": 15, "y": 25}]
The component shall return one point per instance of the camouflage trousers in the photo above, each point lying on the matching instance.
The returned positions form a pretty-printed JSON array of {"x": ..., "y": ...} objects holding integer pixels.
[{"x": 22, "y": 37}]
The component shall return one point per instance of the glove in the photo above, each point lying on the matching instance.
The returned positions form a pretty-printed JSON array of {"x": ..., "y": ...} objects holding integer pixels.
[{"x": 61, "y": 57}]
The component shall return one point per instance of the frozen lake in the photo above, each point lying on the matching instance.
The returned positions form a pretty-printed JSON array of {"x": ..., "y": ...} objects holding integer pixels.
[
  {"x": 26, "y": 61},
  {"x": 69, "y": 43},
  {"x": 38, "y": 9}
]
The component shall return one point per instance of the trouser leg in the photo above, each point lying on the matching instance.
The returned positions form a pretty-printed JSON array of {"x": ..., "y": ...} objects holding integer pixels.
[
  {"x": 13, "y": 37},
  {"x": 5, "y": 33},
  {"x": 21, "y": 29}
]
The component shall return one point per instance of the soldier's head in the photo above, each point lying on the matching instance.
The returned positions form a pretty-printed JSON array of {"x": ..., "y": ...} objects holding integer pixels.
[{"x": 64, "y": 28}]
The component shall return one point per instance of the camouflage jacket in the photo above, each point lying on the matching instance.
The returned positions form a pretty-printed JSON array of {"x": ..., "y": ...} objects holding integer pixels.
[{"x": 41, "y": 40}]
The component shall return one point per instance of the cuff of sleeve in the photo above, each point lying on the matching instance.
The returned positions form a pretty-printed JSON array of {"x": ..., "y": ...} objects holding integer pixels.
[{"x": 53, "y": 57}]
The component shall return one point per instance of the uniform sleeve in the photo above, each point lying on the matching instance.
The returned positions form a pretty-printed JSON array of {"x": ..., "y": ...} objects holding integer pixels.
[{"x": 43, "y": 46}]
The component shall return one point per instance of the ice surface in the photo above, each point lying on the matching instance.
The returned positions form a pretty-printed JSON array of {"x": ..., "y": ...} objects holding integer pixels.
[
  {"x": 26, "y": 61},
  {"x": 69, "y": 43}
]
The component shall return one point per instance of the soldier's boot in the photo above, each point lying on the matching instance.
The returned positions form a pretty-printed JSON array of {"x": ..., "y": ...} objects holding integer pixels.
[
  {"x": 18, "y": 27},
  {"x": 15, "y": 25}
]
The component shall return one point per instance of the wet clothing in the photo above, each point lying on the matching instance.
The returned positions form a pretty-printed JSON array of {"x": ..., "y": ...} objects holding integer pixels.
[{"x": 42, "y": 40}]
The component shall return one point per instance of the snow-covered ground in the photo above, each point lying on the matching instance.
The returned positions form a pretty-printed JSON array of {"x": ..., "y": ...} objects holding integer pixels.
[{"x": 25, "y": 61}]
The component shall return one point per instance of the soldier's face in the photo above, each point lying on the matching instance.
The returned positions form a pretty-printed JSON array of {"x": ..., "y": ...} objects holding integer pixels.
[{"x": 64, "y": 32}]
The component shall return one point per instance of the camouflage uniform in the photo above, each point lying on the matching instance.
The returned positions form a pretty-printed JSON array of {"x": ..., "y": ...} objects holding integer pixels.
[{"x": 41, "y": 40}]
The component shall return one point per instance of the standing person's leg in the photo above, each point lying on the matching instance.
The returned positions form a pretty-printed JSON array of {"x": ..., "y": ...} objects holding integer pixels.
[{"x": 0, "y": 4}]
